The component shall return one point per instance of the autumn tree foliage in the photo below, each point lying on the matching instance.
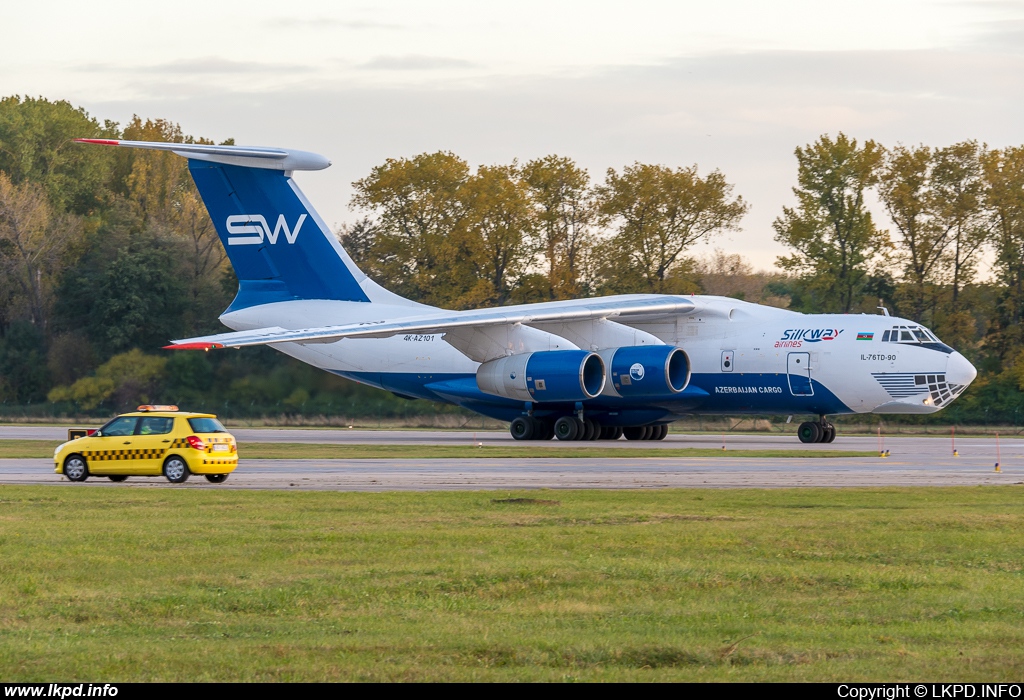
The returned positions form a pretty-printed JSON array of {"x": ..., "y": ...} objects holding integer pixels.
[{"x": 106, "y": 254}]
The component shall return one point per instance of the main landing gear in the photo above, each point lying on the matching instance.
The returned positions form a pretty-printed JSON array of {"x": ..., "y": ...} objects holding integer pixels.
[
  {"x": 822, "y": 431},
  {"x": 573, "y": 428}
]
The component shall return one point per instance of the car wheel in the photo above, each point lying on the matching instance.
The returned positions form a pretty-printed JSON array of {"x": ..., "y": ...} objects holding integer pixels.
[
  {"x": 75, "y": 468},
  {"x": 118, "y": 477},
  {"x": 176, "y": 470},
  {"x": 216, "y": 478}
]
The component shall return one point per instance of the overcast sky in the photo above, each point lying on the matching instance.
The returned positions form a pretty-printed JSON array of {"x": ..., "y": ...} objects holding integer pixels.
[{"x": 730, "y": 84}]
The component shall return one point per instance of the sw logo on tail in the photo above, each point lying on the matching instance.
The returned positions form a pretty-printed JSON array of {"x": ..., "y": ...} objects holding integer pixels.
[{"x": 253, "y": 229}]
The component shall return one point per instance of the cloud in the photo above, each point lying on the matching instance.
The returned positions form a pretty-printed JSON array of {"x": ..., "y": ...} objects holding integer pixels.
[
  {"x": 416, "y": 63},
  {"x": 743, "y": 113},
  {"x": 210, "y": 65},
  {"x": 331, "y": 23}
]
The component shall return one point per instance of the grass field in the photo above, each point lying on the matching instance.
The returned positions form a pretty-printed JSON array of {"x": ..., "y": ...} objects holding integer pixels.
[
  {"x": 808, "y": 584},
  {"x": 270, "y": 450}
]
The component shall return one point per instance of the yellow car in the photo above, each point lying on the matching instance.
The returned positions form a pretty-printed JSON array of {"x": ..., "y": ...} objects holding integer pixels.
[{"x": 152, "y": 441}]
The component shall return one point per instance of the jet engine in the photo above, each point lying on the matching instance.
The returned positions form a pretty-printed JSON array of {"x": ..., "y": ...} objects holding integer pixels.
[
  {"x": 554, "y": 375},
  {"x": 648, "y": 371}
]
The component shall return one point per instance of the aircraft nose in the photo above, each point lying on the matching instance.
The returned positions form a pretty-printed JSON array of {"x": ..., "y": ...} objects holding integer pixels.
[{"x": 959, "y": 371}]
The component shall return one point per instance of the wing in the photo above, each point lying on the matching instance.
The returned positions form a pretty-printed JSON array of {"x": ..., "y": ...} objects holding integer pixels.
[{"x": 624, "y": 309}]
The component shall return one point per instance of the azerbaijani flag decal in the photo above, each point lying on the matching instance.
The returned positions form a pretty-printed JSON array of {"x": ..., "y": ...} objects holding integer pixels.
[{"x": 865, "y": 336}]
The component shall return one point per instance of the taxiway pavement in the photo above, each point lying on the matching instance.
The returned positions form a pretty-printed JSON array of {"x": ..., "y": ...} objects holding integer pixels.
[{"x": 912, "y": 462}]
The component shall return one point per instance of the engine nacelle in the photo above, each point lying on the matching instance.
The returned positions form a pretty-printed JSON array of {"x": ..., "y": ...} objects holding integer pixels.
[
  {"x": 554, "y": 375},
  {"x": 649, "y": 371}
]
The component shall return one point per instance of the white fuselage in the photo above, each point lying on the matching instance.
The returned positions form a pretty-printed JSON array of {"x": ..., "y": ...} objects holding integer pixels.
[{"x": 747, "y": 357}]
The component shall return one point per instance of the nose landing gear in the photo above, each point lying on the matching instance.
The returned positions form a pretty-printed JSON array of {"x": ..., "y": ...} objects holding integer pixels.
[{"x": 822, "y": 431}]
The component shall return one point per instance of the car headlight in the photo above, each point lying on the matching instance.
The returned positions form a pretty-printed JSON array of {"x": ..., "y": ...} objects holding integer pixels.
[{"x": 57, "y": 449}]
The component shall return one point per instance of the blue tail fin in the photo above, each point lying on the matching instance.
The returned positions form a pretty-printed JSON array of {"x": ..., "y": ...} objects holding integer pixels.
[{"x": 279, "y": 246}]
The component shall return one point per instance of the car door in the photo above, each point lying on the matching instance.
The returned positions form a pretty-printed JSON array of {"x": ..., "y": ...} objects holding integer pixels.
[
  {"x": 109, "y": 452},
  {"x": 150, "y": 442}
]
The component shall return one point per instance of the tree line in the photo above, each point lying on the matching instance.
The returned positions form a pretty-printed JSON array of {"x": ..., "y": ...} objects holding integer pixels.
[{"x": 106, "y": 254}]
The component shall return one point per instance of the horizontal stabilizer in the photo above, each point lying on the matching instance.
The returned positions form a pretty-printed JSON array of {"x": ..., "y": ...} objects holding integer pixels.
[
  {"x": 244, "y": 156},
  {"x": 623, "y": 309}
]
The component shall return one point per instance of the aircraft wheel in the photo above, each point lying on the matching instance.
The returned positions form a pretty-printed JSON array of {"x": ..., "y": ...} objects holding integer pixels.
[
  {"x": 522, "y": 428},
  {"x": 648, "y": 432},
  {"x": 635, "y": 432},
  {"x": 809, "y": 432},
  {"x": 567, "y": 428},
  {"x": 216, "y": 478},
  {"x": 545, "y": 430},
  {"x": 661, "y": 432},
  {"x": 831, "y": 436},
  {"x": 617, "y": 434},
  {"x": 593, "y": 430}
]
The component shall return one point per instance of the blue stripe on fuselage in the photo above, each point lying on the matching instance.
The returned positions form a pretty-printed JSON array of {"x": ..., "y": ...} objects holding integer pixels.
[{"x": 706, "y": 393}]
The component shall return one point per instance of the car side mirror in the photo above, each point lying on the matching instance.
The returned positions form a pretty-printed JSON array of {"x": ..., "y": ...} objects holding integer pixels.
[{"x": 98, "y": 433}]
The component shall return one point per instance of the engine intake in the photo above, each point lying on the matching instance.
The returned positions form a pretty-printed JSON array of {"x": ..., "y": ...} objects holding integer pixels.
[
  {"x": 646, "y": 370},
  {"x": 555, "y": 375}
]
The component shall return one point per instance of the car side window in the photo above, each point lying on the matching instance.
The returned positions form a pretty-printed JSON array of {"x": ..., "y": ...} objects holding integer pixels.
[
  {"x": 120, "y": 427},
  {"x": 153, "y": 425}
]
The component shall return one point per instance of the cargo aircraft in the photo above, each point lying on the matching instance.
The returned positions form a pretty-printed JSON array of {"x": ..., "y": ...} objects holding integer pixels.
[{"x": 581, "y": 369}]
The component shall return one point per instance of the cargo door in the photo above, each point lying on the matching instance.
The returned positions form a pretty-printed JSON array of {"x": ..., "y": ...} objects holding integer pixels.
[{"x": 800, "y": 374}]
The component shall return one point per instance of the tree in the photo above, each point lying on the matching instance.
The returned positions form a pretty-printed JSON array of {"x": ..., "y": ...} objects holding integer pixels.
[
  {"x": 499, "y": 225},
  {"x": 731, "y": 275},
  {"x": 128, "y": 288},
  {"x": 418, "y": 232},
  {"x": 1004, "y": 199},
  {"x": 359, "y": 240},
  {"x": 160, "y": 191},
  {"x": 958, "y": 188},
  {"x": 658, "y": 213},
  {"x": 23, "y": 372},
  {"x": 32, "y": 239},
  {"x": 36, "y": 145},
  {"x": 831, "y": 230},
  {"x": 905, "y": 187},
  {"x": 126, "y": 379},
  {"x": 560, "y": 192}
]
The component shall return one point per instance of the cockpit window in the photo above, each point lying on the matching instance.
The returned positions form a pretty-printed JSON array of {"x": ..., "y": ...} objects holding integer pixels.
[{"x": 909, "y": 334}]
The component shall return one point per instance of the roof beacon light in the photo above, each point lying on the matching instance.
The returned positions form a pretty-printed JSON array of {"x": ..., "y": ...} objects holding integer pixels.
[{"x": 157, "y": 407}]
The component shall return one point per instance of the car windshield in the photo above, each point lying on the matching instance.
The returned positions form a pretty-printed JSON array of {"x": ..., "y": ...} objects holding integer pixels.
[
  {"x": 125, "y": 425},
  {"x": 206, "y": 425}
]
